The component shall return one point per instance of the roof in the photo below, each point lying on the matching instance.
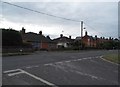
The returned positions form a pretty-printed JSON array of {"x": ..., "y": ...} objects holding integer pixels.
[
  {"x": 34, "y": 37},
  {"x": 63, "y": 39},
  {"x": 90, "y": 37}
]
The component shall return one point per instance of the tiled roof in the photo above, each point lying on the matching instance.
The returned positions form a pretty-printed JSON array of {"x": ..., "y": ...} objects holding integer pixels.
[
  {"x": 92, "y": 38},
  {"x": 34, "y": 37}
]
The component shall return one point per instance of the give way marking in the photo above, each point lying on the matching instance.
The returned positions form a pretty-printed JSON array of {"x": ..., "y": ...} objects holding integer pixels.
[{"x": 20, "y": 71}]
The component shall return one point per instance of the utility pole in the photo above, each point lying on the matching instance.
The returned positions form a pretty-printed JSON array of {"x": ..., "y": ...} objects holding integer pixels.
[{"x": 81, "y": 23}]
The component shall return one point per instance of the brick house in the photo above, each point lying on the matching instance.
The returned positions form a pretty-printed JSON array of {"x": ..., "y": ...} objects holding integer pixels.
[
  {"x": 63, "y": 41},
  {"x": 89, "y": 41},
  {"x": 38, "y": 41}
]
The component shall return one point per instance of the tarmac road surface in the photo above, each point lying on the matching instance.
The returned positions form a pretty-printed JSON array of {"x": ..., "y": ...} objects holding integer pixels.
[{"x": 60, "y": 68}]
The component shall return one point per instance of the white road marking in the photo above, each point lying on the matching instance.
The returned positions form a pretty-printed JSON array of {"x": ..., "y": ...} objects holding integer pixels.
[
  {"x": 11, "y": 73},
  {"x": 28, "y": 67},
  {"x": 68, "y": 61},
  {"x": 101, "y": 56},
  {"x": 75, "y": 60},
  {"x": 85, "y": 58},
  {"x": 78, "y": 72},
  {"x": 60, "y": 67},
  {"x": 78, "y": 59},
  {"x": 8, "y": 71},
  {"x": 36, "y": 66},
  {"x": 109, "y": 61},
  {"x": 88, "y": 75},
  {"x": 58, "y": 62},
  {"x": 49, "y": 64},
  {"x": 38, "y": 78},
  {"x": 32, "y": 66}
]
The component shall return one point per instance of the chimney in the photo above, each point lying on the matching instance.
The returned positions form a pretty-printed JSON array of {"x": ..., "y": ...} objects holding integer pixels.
[
  {"x": 61, "y": 35},
  {"x": 69, "y": 37},
  {"x": 110, "y": 38},
  {"x": 85, "y": 33},
  {"x": 23, "y": 30},
  {"x": 96, "y": 37},
  {"x": 40, "y": 32},
  {"x": 48, "y": 37}
]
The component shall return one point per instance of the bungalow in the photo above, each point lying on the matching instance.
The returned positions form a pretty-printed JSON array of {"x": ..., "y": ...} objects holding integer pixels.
[
  {"x": 63, "y": 42},
  {"x": 38, "y": 41}
]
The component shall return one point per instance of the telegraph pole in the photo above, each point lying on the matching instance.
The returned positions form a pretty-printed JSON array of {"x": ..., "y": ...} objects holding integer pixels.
[
  {"x": 81, "y": 28},
  {"x": 81, "y": 23}
]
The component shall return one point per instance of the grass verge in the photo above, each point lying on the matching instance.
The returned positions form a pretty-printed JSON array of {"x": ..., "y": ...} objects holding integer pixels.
[{"x": 113, "y": 58}]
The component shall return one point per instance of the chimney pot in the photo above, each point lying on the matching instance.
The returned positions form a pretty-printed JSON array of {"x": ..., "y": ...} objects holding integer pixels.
[
  {"x": 23, "y": 30},
  {"x": 95, "y": 36},
  {"x": 61, "y": 35},
  {"x": 86, "y": 33},
  {"x": 40, "y": 32}
]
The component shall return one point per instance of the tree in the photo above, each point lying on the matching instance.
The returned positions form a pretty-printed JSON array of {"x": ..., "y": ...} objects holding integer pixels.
[
  {"x": 77, "y": 45},
  {"x": 109, "y": 45},
  {"x": 11, "y": 37}
]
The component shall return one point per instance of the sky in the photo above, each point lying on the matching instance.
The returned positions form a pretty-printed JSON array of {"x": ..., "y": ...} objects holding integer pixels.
[{"x": 100, "y": 18}]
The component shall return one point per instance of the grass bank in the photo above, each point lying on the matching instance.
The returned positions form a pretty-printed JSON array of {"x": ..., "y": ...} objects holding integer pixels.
[{"x": 112, "y": 57}]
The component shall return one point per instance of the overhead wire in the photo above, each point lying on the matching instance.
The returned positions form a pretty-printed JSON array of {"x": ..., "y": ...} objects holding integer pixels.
[
  {"x": 41, "y": 12},
  {"x": 51, "y": 15},
  {"x": 95, "y": 29}
]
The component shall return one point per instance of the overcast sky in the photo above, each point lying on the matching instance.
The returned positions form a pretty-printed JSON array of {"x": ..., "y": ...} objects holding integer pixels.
[{"x": 100, "y": 18}]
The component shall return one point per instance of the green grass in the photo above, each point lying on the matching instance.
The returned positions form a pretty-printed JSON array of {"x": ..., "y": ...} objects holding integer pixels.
[{"x": 113, "y": 58}]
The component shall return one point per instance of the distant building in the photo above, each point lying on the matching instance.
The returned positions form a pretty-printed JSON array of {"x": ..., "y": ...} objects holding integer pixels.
[
  {"x": 63, "y": 42},
  {"x": 38, "y": 41},
  {"x": 89, "y": 41}
]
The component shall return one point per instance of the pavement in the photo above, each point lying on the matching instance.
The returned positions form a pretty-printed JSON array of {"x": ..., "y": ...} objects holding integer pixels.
[{"x": 60, "y": 68}]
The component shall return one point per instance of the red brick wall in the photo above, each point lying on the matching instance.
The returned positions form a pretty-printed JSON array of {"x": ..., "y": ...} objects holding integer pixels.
[
  {"x": 90, "y": 43},
  {"x": 85, "y": 41},
  {"x": 44, "y": 45}
]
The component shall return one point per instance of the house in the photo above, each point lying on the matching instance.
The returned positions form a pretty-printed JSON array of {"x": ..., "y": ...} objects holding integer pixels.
[
  {"x": 63, "y": 41},
  {"x": 38, "y": 41},
  {"x": 89, "y": 41}
]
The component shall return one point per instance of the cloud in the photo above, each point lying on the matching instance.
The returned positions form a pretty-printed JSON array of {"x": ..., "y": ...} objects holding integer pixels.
[
  {"x": 61, "y": 0},
  {"x": 101, "y": 16}
]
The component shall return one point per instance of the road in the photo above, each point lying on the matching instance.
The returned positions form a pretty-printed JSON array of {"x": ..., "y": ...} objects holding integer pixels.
[{"x": 60, "y": 68}]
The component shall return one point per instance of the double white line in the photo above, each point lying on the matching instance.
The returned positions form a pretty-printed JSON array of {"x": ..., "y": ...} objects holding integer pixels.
[{"x": 20, "y": 71}]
